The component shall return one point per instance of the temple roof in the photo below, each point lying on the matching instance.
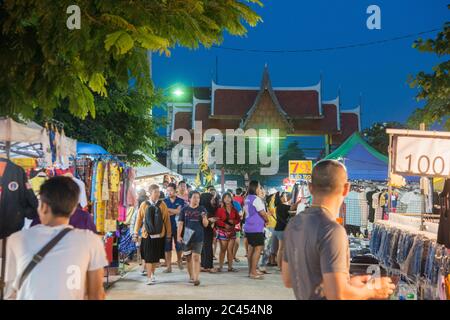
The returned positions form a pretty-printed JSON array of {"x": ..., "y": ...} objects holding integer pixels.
[
  {"x": 298, "y": 110},
  {"x": 266, "y": 88}
]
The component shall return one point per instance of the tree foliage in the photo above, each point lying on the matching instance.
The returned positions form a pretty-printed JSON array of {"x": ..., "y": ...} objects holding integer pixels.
[
  {"x": 44, "y": 63},
  {"x": 292, "y": 152},
  {"x": 377, "y": 137},
  {"x": 435, "y": 86},
  {"x": 123, "y": 125}
]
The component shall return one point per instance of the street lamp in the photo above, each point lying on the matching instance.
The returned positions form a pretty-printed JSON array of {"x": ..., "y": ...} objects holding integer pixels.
[{"x": 178, "y": 92}]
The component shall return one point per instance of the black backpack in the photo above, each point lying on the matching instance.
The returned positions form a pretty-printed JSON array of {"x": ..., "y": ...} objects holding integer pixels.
[{"x": 153, "y": 221}]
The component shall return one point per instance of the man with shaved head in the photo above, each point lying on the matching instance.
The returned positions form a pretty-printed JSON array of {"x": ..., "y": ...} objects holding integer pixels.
[{"x": 316, "y": 262}]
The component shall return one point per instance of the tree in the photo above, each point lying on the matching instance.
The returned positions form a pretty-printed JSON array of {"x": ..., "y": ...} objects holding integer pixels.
[
  {"x": 123, "y": 125},
  {"x": 434, "y": 87},
  {"x": 45, "y": 64},
  {"x": 377, "y": 137},
  {"x": 293, "y": 152}
]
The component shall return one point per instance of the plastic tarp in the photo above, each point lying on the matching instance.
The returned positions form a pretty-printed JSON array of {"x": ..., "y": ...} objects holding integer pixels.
[
  {"x": 84, "y": 148},
  {"x": 363, "y": 162}
]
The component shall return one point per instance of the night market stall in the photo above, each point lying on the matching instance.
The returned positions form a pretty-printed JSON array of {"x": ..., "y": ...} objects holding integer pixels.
[
  {"x": 111, "y": 196},
  {"x": 416, "y": 248},
  {"x": 37, "y": 149}
]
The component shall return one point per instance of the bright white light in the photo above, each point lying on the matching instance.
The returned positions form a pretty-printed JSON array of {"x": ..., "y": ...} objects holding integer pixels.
[{"x": 178, "y": 92}]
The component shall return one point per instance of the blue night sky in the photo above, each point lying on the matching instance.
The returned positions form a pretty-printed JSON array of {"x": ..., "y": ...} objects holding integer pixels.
[{"x": 378, "y": 72}]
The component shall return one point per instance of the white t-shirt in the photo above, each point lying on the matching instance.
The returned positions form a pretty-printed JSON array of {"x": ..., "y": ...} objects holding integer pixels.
[
  {"x": 259, "y": 204},
  {"x": 83, "y": 198},
  {"x": 61, "y": 275}
]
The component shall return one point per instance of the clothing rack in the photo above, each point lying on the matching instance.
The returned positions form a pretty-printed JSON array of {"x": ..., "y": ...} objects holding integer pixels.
[
  {"x": 424, "y": 277},
  {"x": 410, "y": 229}
]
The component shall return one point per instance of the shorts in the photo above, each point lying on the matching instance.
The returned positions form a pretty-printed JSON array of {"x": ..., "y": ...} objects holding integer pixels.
[
  {"x": 194, "y": 247},
  {"x": 255, "y": 239},
  {"x": 278, "y": 234},
  {"x": 226, "y": 235},
  {"x": 173, "y": 238}
]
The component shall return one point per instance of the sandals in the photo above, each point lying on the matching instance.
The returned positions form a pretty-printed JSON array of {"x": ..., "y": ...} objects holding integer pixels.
[
  {"x": 237, "y": 260},
  {"x": 258, "y": 277},
  {"x": 233, "y": 270},
  {"x": 213, "y": 270},
  {"x": 196, "y": 283}
]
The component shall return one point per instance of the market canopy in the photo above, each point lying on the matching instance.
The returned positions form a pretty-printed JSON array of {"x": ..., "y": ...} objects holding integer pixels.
[
  {"x": 84, "y": 148},
  {"x": 153, "y": 169},
  {"x": 363, "y": 162},
  {"x": 32, "y": 140},
  {"x": 12, "y": 131}
]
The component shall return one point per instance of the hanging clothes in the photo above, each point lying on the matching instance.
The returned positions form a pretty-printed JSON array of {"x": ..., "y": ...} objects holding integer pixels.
[
  {"x": 444, "y": 221},
  {"x": 37, "y": 182},
  {"x": 105, "y": 183},
  {"x": 45, "y": 141},
  {"x": 131, "y": 194},
  {"x": 17, "y": 199},
  {"x": 369, "y": 199}
]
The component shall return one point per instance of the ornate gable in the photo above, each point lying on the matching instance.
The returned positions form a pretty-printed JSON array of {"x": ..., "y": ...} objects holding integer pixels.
[{"x": 266, "y": 112}]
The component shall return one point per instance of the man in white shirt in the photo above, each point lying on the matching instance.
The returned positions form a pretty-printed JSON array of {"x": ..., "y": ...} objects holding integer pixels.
[{"x": 73, "y": 268}]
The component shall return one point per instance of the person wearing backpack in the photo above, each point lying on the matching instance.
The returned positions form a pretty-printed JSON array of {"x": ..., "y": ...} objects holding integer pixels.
[{"x": 153, "y": 218}]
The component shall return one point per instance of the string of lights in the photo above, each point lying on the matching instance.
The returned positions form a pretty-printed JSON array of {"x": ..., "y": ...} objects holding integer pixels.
[{"x": 348, "y": 46}]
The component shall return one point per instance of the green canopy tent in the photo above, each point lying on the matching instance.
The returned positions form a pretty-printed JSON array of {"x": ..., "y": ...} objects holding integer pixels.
[{"x": 363, "y": 162}]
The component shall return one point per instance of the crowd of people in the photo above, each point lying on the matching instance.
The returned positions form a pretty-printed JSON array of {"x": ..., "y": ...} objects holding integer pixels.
[
  {"x": 196, "y": 225},
  {"x": 311, "y": 251}
]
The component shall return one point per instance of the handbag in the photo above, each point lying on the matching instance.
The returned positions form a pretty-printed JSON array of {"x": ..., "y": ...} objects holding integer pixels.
[{"x": 187, "y": 237}]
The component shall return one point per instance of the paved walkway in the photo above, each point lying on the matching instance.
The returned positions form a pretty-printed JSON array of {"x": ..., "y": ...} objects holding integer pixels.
[{"x": 225, "y": 285}]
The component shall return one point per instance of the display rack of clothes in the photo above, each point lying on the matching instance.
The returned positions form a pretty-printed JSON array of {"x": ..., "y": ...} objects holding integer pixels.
[
  {"x": 416, "y": 257},
  {"x": 356, "y": 208},
  {"x": 300, "y": 191},
  {"x": 109, "y": 189}
]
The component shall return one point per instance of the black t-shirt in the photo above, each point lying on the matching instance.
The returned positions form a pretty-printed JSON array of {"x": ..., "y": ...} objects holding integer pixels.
[
  {"x": 192, "y": 218},
  {"x": 282, "y": 216}
]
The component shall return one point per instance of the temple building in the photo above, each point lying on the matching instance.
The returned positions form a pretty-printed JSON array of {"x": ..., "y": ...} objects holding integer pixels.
[{"x": 295, "y": 111}]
